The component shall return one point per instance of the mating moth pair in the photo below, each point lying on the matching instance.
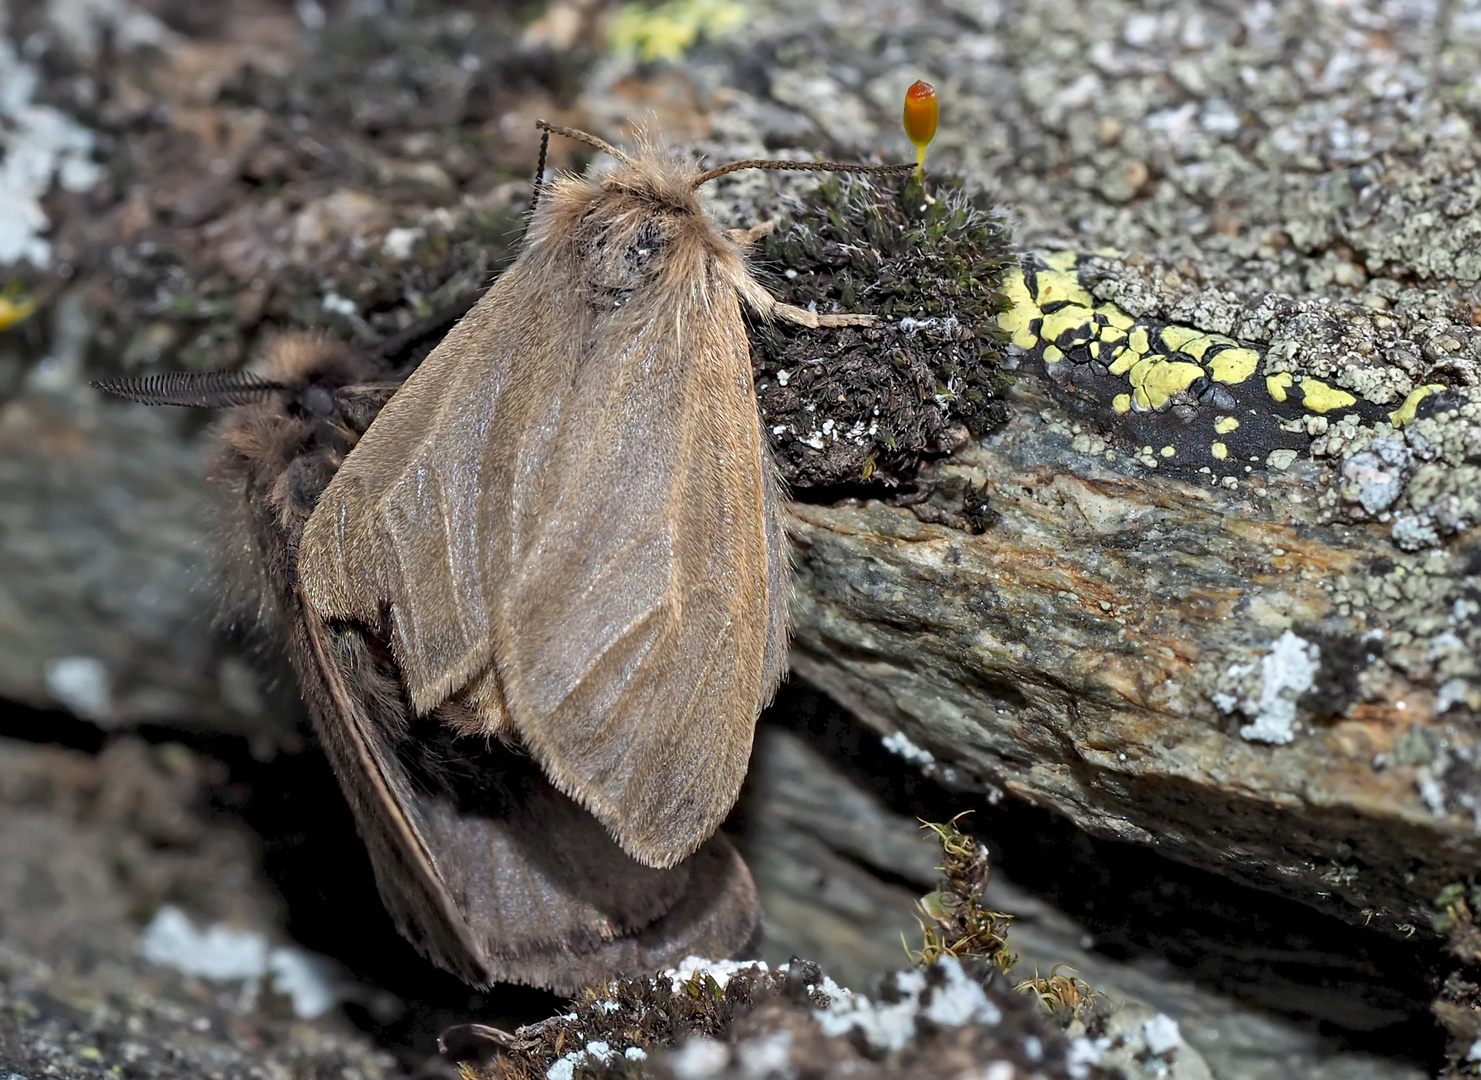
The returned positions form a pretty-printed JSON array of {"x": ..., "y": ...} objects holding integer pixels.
[{"x": 562, "y": 532}]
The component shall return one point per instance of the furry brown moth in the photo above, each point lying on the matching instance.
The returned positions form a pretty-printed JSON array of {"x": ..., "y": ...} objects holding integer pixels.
[{"x": 536, "y": 593}]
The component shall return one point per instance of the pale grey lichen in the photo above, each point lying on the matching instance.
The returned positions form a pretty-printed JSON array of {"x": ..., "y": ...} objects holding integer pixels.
[
  {"x": 718, "y": 970},
  {"x": 223, "y": 953},
  {"x": 1286, "y": 672},
  {"x": 1162, "y": 1035},
  {"x": 896, "y": 742},
  {"x": 1375, "y": 477},
  {"x": 82, "y": 684},
  {"x": 697, "y": 1058},
  {"x": 889, "y": 1025},
  {"x": 41, "y": 146}
]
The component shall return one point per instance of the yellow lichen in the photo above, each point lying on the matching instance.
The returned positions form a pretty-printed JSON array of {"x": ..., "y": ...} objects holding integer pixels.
[
  {"x": 665, "y": 31},
  {"x": 1319, "y": 397},
  {"x": 1056, "y": 286},
  {"x": 1404, "y": 415},
  {"x": 1233, "y": 366}
]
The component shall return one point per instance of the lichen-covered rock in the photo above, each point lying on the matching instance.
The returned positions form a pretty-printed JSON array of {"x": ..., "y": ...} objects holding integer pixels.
[
  {"x": 711, "y": 1021},
  {"x": 1114, "y": 645}
]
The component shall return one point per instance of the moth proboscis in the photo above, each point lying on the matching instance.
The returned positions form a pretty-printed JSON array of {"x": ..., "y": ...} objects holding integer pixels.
[{"x": 562, "y": 533}]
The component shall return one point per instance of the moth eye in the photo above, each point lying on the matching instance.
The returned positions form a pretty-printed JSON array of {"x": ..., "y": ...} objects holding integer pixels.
[
  {"x": 314, "y": 402},
  {"x": 319, "y": 401}
]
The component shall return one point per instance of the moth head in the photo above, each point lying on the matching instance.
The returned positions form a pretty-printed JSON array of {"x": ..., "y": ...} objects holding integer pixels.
[
  {"x": 642, "y": 219},
  {"x": 642, "y": 170}
]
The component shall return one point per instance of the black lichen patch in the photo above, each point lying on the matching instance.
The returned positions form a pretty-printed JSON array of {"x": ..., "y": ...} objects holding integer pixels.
[
  {"x": 1188, "y": 402},
  {"x": 866, "y": 404},
  {"x": 1344, "y": 659}
]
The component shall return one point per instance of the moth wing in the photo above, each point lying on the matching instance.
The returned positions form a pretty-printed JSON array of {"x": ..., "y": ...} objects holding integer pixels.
[
  {"x": 422, "y": 516},
  {"x": 618, "y": 599},
  {"x": 509, "y": 880},
  {"x": 558, "y": 904},
  {"x": 639, "y": 695},
  {"x": 380, "y": 793},
  {"x": 483, "y": 865}
]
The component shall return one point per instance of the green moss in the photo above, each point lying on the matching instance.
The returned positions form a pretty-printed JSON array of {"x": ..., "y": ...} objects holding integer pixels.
[
  {"x": 867, "y": 404},
  {"x": 954, "y": 922}
]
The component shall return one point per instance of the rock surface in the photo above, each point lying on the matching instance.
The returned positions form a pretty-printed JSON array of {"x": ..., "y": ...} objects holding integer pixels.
[
  {"x": 840, "y": 872},
  {"x": 1275, "y": 678},
  {"x": 1259, "y": 678},
  {"x": 91, "y": 845}
]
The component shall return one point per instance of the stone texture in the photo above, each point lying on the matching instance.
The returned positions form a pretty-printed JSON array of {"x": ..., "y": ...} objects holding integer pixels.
[
  {"x": 91, "y": 847},
  {"x": 840, "y": 871},
  {"x": 1114, "y": 647}
]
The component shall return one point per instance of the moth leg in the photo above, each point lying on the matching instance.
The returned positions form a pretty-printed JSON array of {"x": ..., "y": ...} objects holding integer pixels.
[
  {"x": 769, "y": 307},
  {"x": 803, "y": 317},
  {"x": 744, "y": 238},
  {"x": 485, "y": 697}
]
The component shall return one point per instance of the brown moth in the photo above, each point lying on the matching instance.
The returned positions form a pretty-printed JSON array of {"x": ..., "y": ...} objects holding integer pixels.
[
  {"x": 485, "y": 867},
  {"x": 561, "y": 533},
  {"x": 567, "y": 517}
]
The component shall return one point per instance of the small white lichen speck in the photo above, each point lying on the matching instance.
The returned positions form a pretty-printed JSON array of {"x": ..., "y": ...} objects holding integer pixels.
[
  {"x": 766, "y": 1055},
  {"x": 886, "y": 1026},
  {"x": 960, "y": 1001},
  {"x": 719, "y": 970},
  {"x": 225, "y": 954},
  {"x": 565, "y": 1068},
  {"x": 697, "y": 1059},
  {"x": 81, "y": 683},
  {"x": 896, "y": 743},
  {"x": 400, "y": 243},
  {"x": 1162, "y": 1035}
]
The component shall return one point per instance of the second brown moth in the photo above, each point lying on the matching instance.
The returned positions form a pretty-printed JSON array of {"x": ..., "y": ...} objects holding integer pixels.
[{"x": 535, "y": 594}]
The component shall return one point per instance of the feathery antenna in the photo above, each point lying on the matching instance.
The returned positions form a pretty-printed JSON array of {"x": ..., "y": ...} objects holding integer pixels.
[
  {"x": 540, "y": 169},
  {"x": 198, "y": 389}
]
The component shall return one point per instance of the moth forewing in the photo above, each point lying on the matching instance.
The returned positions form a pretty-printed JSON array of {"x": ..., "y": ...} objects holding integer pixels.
[{"x": 568, "y": 514}]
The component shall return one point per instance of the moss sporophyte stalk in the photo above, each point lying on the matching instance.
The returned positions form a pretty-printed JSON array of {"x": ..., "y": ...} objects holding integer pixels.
[{"x": 922, "y": 109}]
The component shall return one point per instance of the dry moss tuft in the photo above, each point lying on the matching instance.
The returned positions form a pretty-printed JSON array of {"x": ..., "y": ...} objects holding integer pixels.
[
  {"x": 953, "y": 920},
  {"x": 955, "y": 923},
  {"x": 1458, "y": 1005}
]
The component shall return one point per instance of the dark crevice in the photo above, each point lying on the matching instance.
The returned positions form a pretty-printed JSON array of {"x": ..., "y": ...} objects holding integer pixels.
[
  {"x": 1365, "y": 991},
  {"x": 313, "y": 857}
]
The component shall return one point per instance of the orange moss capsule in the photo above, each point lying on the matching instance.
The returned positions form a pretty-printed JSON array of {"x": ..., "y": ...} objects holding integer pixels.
[{"x": 921, "y": 111}]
